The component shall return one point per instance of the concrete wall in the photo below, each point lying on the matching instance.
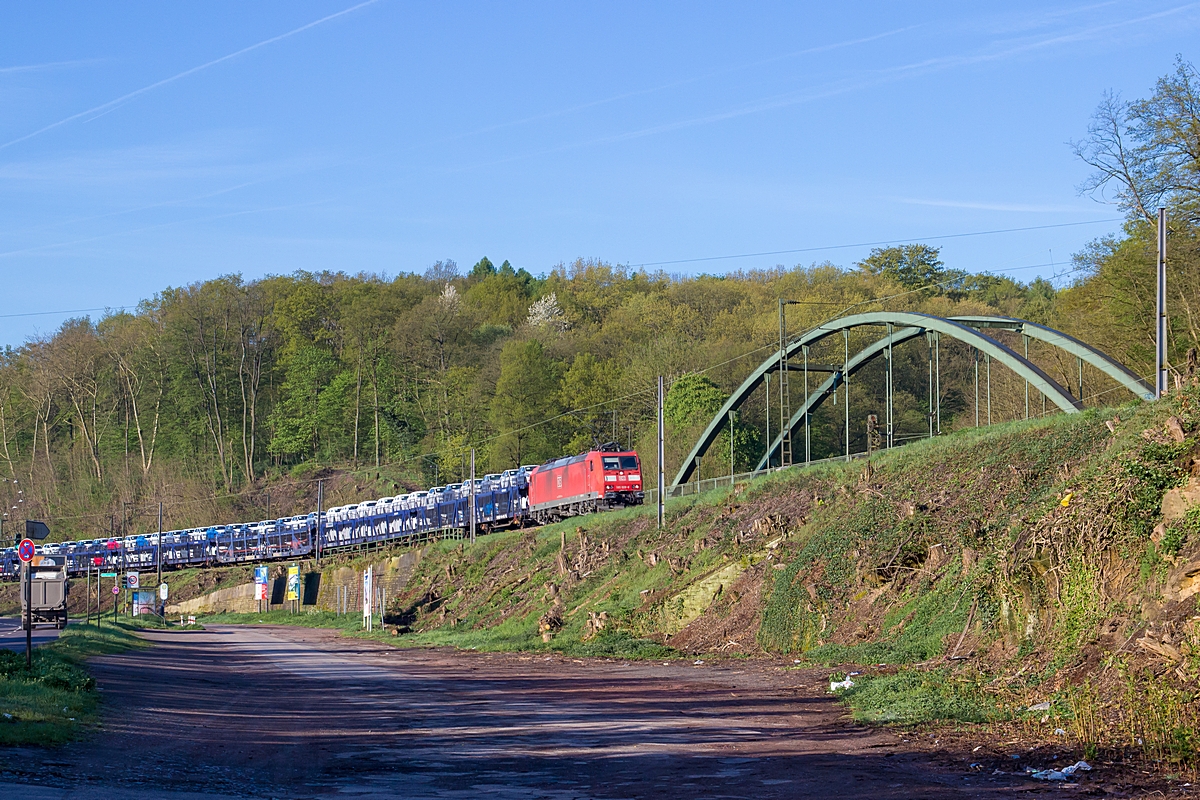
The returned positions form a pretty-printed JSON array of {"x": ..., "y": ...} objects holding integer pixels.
[
  {"x": 236, "y": 599},
  {"x": 319, "y": 589}
]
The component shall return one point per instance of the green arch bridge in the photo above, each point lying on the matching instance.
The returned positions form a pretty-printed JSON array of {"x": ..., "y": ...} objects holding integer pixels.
[{"x": 899, "y": 327}]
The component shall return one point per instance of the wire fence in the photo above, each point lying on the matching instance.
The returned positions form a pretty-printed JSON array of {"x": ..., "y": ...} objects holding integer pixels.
[{"x": 725, "y": 481}]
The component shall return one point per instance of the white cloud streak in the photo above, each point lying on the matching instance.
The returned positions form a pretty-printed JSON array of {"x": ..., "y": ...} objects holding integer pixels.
[
  {"x": 48, "y": 65},
  {"x": 112, "y": 104},
  {"x": 869, "y": 80},
  {"x": 113, "y": 234},
  {"x": 995, "y": 206}
]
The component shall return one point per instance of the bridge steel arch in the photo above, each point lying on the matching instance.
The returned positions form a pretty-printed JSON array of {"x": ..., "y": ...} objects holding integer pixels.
[
  {"x": 964, "y": 329},
  {"x": 1069, "y": 344},
  {"x": 835, "y": 380}
]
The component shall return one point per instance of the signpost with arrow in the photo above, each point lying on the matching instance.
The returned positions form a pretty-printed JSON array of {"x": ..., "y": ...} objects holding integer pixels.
[{"x": 26, "y": 552}]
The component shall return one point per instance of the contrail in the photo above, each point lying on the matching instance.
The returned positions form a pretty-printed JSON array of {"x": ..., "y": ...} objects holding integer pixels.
[
  {"x": 126, "y": 97},
  {"x": 47, "y": 65}
]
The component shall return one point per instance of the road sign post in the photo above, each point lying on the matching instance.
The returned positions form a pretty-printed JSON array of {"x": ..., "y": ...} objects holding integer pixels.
[
  {"x": 28, "y": 615},
  {"x": 25, "y": 552}
]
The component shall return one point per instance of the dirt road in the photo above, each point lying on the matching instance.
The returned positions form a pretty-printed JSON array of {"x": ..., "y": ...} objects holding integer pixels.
[{"x": 282, "y": 712}]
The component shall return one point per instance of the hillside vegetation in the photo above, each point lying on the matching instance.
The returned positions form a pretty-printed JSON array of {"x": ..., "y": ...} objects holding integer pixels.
[
  {"x": 227, "y": 399},
  {"x": 974, "y": 576}
]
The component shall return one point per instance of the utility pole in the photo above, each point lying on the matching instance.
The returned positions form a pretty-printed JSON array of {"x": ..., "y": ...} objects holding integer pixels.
[
  {"x": 29, "y": 614},
  {"x": 661, "y": 454},
  {"x": 1160, "y": 337},
  {"x": 785, "y": 408},
  {"x": 158, "y": 547},
  {"x": 317, "y": 532},
  {"x": 767, "y": 378},
  {"x": 472, "y": 497}
]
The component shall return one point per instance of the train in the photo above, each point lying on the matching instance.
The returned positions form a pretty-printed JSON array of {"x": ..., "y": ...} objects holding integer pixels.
[{"x": 601, "y": 479}]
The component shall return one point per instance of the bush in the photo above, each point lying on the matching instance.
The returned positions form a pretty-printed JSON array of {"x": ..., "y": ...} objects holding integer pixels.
[{"x": 49, "y": 669}]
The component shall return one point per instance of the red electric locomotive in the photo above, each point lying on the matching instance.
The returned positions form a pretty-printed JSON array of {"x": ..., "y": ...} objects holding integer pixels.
[{"x": 598, "y": 480}]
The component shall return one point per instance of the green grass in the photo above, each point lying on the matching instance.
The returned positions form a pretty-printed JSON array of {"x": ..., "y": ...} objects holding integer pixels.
[
  {"x": 515, "y": 635},
  {"x": 913, "y": 696},
  {"x": 56, "y": 700}
]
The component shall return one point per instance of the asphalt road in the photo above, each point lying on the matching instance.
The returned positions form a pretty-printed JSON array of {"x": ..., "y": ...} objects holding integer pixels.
[
  {"x": 12, "y": 637},
  {"x": 299, "y": 713}
]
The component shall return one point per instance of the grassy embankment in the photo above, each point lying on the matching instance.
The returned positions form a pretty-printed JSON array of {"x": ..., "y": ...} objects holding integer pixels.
[
  {"x": 57, "y": 700},
  {"x": 974, "y": 575}
]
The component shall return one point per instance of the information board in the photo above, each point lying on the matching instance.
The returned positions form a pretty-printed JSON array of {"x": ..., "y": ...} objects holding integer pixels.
[
  {"x": 293, "y": 583},
  {"x": 143, "y": 603}
]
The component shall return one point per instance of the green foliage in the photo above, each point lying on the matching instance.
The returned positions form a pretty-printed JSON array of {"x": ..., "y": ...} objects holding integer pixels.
[
  {"x": 1152, "y": 472},
  {"x": 692, "y": 400},
  {"x": 1162, "y": 719},
  {"x": 914, "y": 266},
  {"x": 620, "y": 644},
  {"x": 52, "y": 703},
  {"x": 915, "y": 696},
  {"x": 526, "y": 390},
  {"x": 308, "y": 400},
  {"x": 1180, "y": 532}
]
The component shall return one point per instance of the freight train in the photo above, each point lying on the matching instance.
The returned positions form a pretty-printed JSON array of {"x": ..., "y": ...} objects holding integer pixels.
[{"x": 599, "y": 480}]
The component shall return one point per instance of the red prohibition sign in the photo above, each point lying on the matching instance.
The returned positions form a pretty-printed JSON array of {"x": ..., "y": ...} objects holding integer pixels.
[{"x": 25, "y": 550}]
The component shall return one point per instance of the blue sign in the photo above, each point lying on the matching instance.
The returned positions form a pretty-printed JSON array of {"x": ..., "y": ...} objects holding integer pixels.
[{"x": 260, "y": 575}]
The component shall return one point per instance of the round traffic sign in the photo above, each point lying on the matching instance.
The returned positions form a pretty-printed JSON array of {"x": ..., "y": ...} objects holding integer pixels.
[
  {"x": 25, "y": 550},
  {"x": 116, "y": 590}
]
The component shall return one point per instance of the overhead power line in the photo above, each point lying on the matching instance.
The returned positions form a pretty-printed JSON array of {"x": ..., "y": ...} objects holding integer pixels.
[
  {"x": 874, "y": 244},
  {"x": 70, "y": 311},
  {"x": 715, "y": 258}
]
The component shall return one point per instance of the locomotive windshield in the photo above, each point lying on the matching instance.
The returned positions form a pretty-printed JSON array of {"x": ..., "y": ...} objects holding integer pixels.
[{"x": 620, "y": 462}]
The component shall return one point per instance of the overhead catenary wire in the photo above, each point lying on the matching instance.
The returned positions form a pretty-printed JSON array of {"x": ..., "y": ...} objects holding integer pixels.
[
  {"x": 251, "y": 490},
  {"x": 873, "y": 244}
]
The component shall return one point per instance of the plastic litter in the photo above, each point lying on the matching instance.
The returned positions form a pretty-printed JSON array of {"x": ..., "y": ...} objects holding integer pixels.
[
  {"x": 1059, "y": 732},
  {"x": 697, "y": 662},
  {"x": 1059, "y": 774},
  {"x": 838, "y": 685},
  {"x": 1042, "y": 706}
]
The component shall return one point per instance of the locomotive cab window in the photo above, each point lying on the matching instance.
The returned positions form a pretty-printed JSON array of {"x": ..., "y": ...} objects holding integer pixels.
[
  {"x": 629, "y": 462},
  {"x": 612, "y": 462}
]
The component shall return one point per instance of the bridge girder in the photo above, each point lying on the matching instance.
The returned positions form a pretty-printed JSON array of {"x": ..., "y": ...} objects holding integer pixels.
[{"x": 912, "y": 324}]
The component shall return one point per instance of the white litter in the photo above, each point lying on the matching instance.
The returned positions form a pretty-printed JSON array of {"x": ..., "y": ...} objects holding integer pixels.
[
  {"x": 1061, "y": 774},
  {"x": 1042, "y": 706},
  {"x": 835, "y": 686}
]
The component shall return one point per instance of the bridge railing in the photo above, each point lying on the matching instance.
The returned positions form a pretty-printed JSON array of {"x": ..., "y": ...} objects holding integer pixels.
[{"x": 725, "y": 481}]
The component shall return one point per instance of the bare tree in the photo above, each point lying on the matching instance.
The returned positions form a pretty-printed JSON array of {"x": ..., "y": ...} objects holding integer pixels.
[{"x": 1148, "y": 151}]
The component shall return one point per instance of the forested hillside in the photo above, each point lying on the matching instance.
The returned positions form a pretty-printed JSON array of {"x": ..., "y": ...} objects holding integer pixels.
[{"x": 228, "y": 388}]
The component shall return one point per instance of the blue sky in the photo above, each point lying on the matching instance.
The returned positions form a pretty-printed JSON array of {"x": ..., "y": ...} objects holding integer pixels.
[{"x": 144, "y": 145}]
